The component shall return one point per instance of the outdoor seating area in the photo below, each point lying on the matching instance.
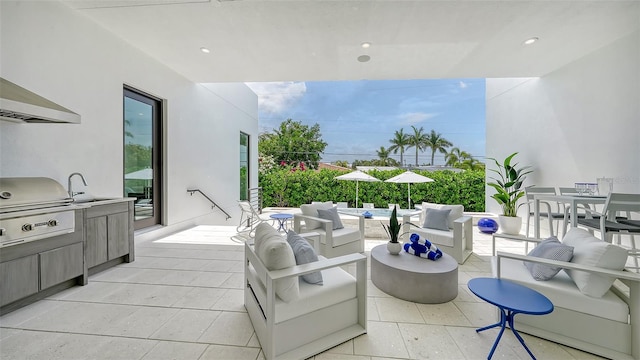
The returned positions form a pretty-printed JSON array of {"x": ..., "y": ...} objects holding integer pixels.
[{"x": 186, "y": 293}]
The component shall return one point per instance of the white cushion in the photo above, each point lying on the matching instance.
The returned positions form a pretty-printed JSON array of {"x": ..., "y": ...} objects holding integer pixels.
[
  {"x": 275, "y": 253},
  {"x": 312, "y": 210},
  {"x": 456, "y": 212},
  {"x": 338, "y": 286},
  {"x": 563, "y": 293},
  {"x": 340, "y": 236},
  {"x": 438, "y": 237},
  {"x": 589, "y": 250}
]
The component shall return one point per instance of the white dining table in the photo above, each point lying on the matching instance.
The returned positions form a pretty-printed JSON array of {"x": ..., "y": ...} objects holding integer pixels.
[{"x": 570, "y": 200}]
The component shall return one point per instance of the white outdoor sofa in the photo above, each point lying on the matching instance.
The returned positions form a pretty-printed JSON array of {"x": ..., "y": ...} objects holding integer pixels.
[
  {"x": 456, "y": 241},
  {"x": 319, "y": 318},
  {"x": 608, "y": 326}
]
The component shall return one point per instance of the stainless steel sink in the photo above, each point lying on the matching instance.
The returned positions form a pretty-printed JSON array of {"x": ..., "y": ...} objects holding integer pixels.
[{"x": 95, "y": 201}]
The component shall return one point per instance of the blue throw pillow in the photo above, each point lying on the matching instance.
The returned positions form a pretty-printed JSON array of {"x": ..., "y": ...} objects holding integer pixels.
[
  {"x": 304, "y": 254},
  {"x": 551, "y": 249},
  {"x": 331, "y": 214},
  {"x": 437, "y": 219}
]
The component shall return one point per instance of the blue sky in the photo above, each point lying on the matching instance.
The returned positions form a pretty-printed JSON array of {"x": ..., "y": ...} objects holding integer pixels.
[{"x": 357, "y": 117}]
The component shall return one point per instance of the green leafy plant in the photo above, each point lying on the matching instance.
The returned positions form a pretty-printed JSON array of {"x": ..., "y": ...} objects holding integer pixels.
[
  {"x": 508, "y": 184},
  {"x": 393, "y": 229}
]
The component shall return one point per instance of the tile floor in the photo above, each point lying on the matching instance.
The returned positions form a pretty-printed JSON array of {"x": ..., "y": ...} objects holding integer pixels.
[{"x": 182, "y": 299}]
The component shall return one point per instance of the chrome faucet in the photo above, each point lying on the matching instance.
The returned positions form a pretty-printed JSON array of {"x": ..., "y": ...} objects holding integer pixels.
[{"x": 71, "y": 192}]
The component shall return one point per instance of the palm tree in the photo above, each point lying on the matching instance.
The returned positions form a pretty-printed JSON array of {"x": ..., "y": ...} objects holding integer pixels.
[
  {"x": 417, "y": 140},
  {"x": 471, "y": 164},
  {"x": 456, "y": 156},
  {"x": 399, "y": 142},
  {"x": 436, "y": 142},
  {"x": 383, "y": 154}
]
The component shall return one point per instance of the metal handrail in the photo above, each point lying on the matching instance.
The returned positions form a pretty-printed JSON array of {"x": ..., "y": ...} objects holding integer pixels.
[{"x": 214, "y": 205}]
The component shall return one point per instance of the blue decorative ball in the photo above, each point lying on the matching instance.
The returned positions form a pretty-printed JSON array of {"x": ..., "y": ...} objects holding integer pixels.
[{"x": 487, "y": 226}]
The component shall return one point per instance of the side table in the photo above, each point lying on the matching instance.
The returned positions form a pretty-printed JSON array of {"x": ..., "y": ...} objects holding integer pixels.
[
  {"x": 511, "y": 299},
  {"x": 282, "y": 220}
]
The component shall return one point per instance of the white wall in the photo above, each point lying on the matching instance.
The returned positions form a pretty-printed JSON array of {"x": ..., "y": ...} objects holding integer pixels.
[
  {"x": 56, "y": 52},
  {"x": 575, "y": 124}
]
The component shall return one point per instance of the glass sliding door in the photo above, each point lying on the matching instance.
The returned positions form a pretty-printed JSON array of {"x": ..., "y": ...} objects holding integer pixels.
[
  {"x": 244, "y": 166},
  {"x": 143, "y": 156}
]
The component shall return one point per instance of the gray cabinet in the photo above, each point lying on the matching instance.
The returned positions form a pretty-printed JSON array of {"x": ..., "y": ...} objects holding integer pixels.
[
  {"x": 18, "y": 279},
  {"x": 28, "y": 275},
  {"x": 108, "y": 232},
  {"x": 60, "y": 264}
]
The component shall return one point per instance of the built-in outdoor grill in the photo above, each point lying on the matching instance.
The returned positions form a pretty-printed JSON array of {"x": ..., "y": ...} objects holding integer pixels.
[{"x": 33, "y": 208}]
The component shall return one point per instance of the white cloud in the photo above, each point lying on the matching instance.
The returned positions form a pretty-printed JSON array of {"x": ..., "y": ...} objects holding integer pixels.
[
  {"x": 463, "y": 85},
  {"x": 415, "y": 117},
  {"x": 275, "y": 97}
]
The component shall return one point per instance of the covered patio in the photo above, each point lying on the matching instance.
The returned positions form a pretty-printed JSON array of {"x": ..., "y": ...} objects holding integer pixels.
[{"x": 182, "y": 299}]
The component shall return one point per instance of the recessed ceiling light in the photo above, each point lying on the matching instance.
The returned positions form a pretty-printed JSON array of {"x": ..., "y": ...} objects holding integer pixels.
[
  {"x": 365, "y": 45},
  {"x": 364, "y": 58},
  {"x": 205, "y": 50},
  {"x": 530, "y": 41}
]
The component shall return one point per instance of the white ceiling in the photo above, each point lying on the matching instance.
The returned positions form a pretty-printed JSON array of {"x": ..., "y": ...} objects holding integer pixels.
[{"x": 270, "y": 40}]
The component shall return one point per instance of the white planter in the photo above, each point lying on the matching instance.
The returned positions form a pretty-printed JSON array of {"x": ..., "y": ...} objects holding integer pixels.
[
  {"x": 510, "y": 224},
  {"x": 394, "y": 248}
]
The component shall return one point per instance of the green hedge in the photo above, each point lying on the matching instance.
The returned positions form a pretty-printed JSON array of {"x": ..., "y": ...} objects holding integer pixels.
[{"x": 287, "y": 188}]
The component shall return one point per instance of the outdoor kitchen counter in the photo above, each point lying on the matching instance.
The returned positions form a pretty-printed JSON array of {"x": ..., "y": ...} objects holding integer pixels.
[
  {"x": 102, "y": 238},
  {"x": 83, "y": 204},
  {"x": 36, "y": 269}
]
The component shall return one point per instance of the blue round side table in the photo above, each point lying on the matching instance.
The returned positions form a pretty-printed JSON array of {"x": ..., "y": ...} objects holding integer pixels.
[{"x": 487, "y": 226}]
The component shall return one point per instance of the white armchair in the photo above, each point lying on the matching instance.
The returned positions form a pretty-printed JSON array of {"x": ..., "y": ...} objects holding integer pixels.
[
  {"x": 456, "y": 236},
  {"x": 333, "y": 242},
  {"x": 318, "y": 317}
]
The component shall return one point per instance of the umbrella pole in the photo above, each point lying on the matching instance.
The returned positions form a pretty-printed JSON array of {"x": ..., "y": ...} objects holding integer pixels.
[
  {"x": 356, "y": 194},
  {"x": 409, "y": 196}
]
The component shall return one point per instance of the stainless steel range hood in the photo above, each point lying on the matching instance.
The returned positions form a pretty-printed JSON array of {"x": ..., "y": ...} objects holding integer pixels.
[{"x": 20, "y": 105}]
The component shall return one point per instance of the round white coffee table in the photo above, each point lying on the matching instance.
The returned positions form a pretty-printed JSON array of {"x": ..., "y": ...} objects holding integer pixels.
[{"x": 413, "y": 278}]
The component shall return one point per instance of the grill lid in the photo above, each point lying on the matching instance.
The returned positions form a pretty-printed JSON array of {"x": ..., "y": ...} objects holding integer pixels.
[{"x": 31, "y": 191}]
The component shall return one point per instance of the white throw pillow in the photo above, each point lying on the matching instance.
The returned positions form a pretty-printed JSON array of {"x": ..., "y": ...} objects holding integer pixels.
[
  {"x": 312, "y": 210},
  {"x": 589, "y": 250},
  {"x": 456, "y": 212},
  {"x": 275, "y": 253}
]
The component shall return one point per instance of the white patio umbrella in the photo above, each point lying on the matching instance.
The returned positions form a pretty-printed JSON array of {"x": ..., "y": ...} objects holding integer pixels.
[
  {"x": 144, "y": 174},
  {"x": 357, "y": 176},
  {"x": 409, "y": 177}
]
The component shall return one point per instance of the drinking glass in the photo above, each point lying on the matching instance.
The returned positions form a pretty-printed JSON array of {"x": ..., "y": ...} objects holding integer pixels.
[{"x": 605, "y": 186}]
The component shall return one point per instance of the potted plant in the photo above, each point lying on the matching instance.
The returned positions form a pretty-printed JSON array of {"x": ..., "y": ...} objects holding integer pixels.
[
  {"x": 393, "y": 230},
  {"x": 509, "y": 189}
]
